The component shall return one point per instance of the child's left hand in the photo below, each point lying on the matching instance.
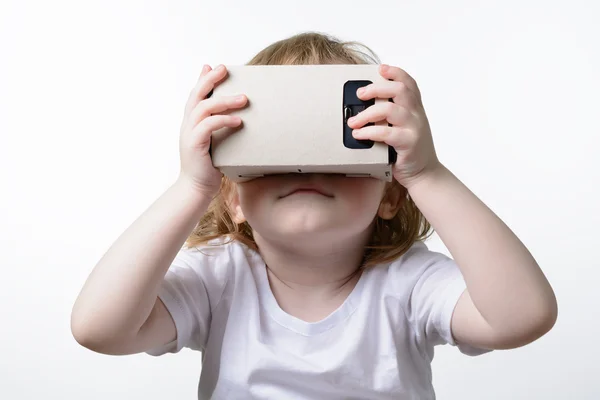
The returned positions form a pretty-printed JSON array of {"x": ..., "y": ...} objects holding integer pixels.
[{"x": 409, "y": 132}]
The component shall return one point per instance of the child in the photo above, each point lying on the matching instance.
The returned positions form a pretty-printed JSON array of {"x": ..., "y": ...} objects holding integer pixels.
[{"x": 315, "y": 286}]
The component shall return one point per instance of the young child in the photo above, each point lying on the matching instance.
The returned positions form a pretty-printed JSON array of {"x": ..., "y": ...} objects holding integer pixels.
[{"x": 315, "y": 286}]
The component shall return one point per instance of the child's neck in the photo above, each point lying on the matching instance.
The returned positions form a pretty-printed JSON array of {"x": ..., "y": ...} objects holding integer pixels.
[{"x": 311, "y": 278}]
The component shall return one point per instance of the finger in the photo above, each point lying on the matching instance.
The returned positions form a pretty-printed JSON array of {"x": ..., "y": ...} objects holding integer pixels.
[
  {"x": 391, "y": 112},
  {"x": 216, "y": 105},
  {"x": 202, "y": 132},
  {"x": 208, "y": 82},
  {"x": 205, "y": 70},
  {"x": 190, "y": 101},
  {"x": 205, "y": 84},
  {"x": 393, "y": 136},
  {"x": 397, "y": 91},
  {"x": 399, "y": 75}
]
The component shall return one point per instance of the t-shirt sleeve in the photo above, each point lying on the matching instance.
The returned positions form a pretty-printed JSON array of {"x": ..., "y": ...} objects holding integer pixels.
[
  {"x": 190, "y": 290},
  {"x": 436, "y": 284}
]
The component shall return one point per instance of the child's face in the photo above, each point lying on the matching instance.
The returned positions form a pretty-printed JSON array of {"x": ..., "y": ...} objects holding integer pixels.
[{"x": 346, "y": 208}]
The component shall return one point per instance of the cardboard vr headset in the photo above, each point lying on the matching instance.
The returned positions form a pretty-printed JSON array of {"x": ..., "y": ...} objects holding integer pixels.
[{"x": 295, "y": 122}]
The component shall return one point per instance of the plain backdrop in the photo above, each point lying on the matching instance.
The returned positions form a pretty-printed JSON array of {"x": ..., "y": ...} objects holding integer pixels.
[{"x": 91, "y": 99}]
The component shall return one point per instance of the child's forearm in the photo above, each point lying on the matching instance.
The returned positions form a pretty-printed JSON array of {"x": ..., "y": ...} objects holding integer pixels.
[
  {"x": 503, "y": 279},
  {"x": 121, "y": 291}
]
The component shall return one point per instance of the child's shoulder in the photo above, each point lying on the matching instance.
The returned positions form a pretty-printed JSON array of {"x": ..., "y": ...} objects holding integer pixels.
[
  {"x": 222, "y": 251},
  {"x": 419, "y": 261},
  {"x": 419, "y": 279},
  {"x": 213, "y": 264},
  {"x": 419, "y": 255}
]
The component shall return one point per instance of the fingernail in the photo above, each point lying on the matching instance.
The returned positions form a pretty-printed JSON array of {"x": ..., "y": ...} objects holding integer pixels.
[
  {"x": 351, "y": 120},
  {"x": 239, "y": 98},
  {"x": 360, "y": 91},
  {"x": 384, "y": 67},
  {"x": 220, "y": 68}
]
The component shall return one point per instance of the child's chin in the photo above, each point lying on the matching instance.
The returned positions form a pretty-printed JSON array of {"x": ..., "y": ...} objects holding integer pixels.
[{"x": 299, "y": 225}]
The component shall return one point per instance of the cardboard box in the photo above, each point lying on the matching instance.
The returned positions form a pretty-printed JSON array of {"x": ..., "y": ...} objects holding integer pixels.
[{"x": 295, "y": 123}]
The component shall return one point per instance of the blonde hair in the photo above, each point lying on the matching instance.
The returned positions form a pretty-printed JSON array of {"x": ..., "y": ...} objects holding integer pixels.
[{"x": 391, "y": 238}]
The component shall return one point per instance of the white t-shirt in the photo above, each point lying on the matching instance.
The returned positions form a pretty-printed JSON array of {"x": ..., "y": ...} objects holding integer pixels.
[{"x": 378, "y": 344}]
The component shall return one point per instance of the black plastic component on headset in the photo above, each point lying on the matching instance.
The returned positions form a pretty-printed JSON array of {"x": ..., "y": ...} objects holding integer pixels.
[{"x": 351, "y": 106}]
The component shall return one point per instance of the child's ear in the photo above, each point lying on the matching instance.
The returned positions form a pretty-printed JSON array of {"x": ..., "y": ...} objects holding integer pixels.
[
  {"x": 235, "y": 210},
  {"x": 238, "y": 216},
  {"x": 393, "y": 199}
]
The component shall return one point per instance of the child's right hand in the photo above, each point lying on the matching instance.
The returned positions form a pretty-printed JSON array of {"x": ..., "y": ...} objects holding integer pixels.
[
  {"x": 118, "y": 311},
  {"x": 197, "y": 127}
]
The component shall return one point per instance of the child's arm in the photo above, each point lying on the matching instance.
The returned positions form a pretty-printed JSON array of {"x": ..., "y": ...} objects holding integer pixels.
[
  {"x": 508, "y": 302},
  {"x": 118, "y": 311}
]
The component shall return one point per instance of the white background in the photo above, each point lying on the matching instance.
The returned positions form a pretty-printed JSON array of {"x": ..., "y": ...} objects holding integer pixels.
[{"x": 91, "y": 98}]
